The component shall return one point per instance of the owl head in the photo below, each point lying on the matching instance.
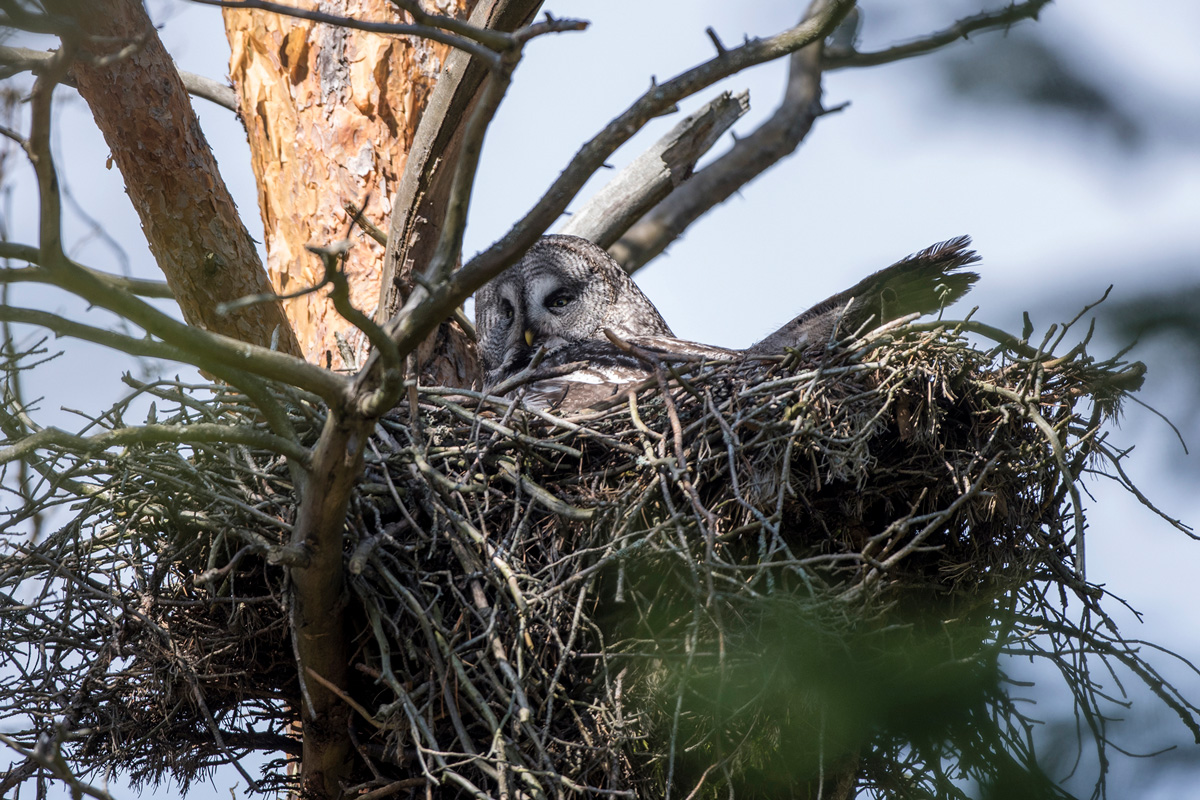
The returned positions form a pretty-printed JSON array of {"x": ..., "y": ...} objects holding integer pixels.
[{"x": 565, "y": 290}]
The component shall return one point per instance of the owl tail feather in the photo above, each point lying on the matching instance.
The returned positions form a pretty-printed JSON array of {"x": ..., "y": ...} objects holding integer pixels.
[{"x": 920, "y": 284}]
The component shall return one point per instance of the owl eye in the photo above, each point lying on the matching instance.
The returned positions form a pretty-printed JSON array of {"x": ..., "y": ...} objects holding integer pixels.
[{"x": 559, "y": 299}]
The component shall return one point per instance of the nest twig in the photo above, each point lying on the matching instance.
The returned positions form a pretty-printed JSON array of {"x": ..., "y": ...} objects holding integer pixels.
[{"x": 743, "y": 582}]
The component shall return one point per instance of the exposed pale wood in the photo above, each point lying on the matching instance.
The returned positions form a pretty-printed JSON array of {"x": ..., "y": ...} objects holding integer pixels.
[
  {"x": 331, "y": 115},
  {"x": 187, "y": 213},
  {"x": 655, "y": 173}
]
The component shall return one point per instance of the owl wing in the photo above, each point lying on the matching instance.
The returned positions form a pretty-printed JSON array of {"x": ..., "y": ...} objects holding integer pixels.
[{"x": 920, "y": 284}]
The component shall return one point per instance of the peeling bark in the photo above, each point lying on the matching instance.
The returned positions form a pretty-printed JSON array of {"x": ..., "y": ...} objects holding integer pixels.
[{"x": 331, "y": 114}]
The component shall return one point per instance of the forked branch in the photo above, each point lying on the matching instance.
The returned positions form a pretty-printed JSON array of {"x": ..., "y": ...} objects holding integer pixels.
[{"x": 748, "y": 158}]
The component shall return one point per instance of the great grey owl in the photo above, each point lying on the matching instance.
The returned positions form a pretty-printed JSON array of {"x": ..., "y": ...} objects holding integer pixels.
[{"x": 567, "y": 300}]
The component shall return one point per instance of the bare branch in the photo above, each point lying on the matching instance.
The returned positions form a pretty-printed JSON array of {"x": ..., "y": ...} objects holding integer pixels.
[
  {"x": 449, "y": 247},
  {"x": 987, "y": 20},
  {"x": 61, "y": 326},
  {"x": 370, "y": 228},
  {"x": 211, "y": 90},
  {"x": 492, "y": 39},
  {"x": 24, "y": 59},
  {"x": 249, "y": 383},
  {"x": 393, "y": 366},
  {"x": 135, "y": 286},
  {"x": 436, "y": 34},
  {"x": 653, "y": 175},
  {"x": 209, "y": 351},
  {"x": 23, "y": 252},
  {"x": 17, "y": 425},
  {"x": 19, "y": 252},
  {"x": 38, "y": 148},
  {"x": 48, "y": 755},
  {"x": 778, "y": 137},
  {"x": 192, "y": 433},
  {"x": 424, "y": 192},
  {"x": 749, "y": 157}
]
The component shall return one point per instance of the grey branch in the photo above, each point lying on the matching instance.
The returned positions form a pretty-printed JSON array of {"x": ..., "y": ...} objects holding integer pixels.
[
  {"x": 779, "y": 136},
  {"x": 192, "y": 433},
  {"x": 23, "y": 252},
  {"x": 987, "y": 20},
  {"x": 489, "y": 38},
  {"x": 386, "y": 28},
  {"x": 209, "y": 89},
  {"x": 749, "y": 157},
  {"x": 656, "y": 173},
  {"x": 23, "y": 59}
]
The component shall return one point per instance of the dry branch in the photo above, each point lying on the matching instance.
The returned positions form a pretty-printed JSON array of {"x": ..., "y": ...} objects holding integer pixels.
[
  {"x": 987, "y": 20},
  {"x": 346, "y": 21},
  {"x": 782, "y": 133},
  {"x": 447, "y": 359},
  {"x": 654, "y": 174},
  {"x": 749, "y": 157}
]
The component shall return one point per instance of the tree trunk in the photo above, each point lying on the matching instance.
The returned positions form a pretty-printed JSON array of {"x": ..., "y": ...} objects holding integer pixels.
[
  {"x": 189, "y": 218},
  {"x": 447, "y": 358},
  {"x": 331, "y": 114}
]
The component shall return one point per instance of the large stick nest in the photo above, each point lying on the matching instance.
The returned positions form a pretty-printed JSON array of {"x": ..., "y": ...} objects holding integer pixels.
[{"x": 748, "y": 577}]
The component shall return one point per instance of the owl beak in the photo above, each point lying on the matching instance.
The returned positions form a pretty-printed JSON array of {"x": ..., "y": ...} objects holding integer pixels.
[{"x": 529, "y": 338}]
